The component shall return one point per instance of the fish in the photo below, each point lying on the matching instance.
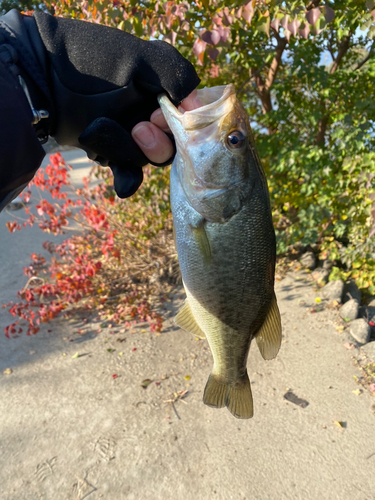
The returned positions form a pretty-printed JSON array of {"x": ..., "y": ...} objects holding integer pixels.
[{"x": 225, "y": 241}]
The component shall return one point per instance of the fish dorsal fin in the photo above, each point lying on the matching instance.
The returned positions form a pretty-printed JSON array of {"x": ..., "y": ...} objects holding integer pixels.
[
  {"x": 186, "y": 321},
  {"x": 269, "y": 334},
  {"x": 201, "y": 239}
]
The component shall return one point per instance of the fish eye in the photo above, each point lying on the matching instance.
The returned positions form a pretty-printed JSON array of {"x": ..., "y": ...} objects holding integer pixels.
[{"x": 235, "y": 139}]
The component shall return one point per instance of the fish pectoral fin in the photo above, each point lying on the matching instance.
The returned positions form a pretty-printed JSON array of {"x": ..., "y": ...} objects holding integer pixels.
[
  {"x": 269, "y": 334},
  {"x": 237, "y": 398},
  {"x": 201, "y": 239},
  {"x": 186, "y": 321}
]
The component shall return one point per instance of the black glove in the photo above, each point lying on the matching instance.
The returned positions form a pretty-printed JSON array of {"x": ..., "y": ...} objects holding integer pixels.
[{"x": 101, "y": 83}]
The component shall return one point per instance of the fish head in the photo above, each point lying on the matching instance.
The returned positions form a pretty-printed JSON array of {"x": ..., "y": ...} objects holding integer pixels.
[{"x": 216, "y": 159}]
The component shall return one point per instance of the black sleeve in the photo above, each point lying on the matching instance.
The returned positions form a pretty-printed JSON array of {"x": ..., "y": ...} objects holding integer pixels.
[{"x": 20, "y": 150}]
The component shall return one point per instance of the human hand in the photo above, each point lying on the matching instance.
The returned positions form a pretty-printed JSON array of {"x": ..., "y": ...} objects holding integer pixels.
[
  {"x": 151, "y": 136},
  {"x": 105, "y": 85}
]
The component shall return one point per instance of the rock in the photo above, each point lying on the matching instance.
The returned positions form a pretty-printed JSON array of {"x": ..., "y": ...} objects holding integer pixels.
[
  {"x": 367, "y": 312},
  {"x": 321, "y": 275},
  {"x": 333, "y": 290},
  {"x": 360, "y": 331},
  {"x": 351, "y": 291},
  {"x": 350, "y": 310},
  {"x": 308, "y": 260},
  {"x": 369, "y": 350},
  {"x": 327, "y": 264}
]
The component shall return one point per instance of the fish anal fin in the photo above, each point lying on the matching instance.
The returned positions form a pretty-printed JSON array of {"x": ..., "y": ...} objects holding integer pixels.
[
  {"x": 237, "y": 398},
  {"x": 201, "y": 239},
  {"x": 186, "y": 321},
  {"x": 268, "y": 336}
]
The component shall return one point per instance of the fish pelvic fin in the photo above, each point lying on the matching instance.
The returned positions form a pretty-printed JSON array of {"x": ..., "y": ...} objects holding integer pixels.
[
  {"x": 237, "y": 398},
  {"x": 269, "y": 334},
  {"x": 186, "y": 321}
]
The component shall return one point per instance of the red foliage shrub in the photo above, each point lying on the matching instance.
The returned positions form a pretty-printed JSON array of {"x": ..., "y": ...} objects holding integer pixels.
[{"x": 121, "y": 262}]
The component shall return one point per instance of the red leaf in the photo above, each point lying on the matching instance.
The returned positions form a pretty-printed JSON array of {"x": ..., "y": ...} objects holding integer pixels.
[
  {"x": 293, "y": 26},
  {"x": 199, "y": 47},
  {"x": 329, "y": 14},
  {"x": 212, "y": 53},
  {"x": 275, "y": 24},
  {"x": 312, "y": 16},
  {"x": 304, "y": 32},
  {"x": 284, "y": 22},
  {"x": 211, "y": 37},
  {"x": 114, "y": 376}
]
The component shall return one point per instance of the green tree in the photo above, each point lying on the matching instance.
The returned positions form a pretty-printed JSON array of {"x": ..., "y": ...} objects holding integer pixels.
[
  {"x": 305, "y": 72},
  {"x": 21, "y": 5}
]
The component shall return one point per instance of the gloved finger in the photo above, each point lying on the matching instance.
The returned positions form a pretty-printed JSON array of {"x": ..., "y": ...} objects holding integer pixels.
[
  {"x": 106, "y": 141},
  {"x": 154, "y": 143},
  {"x": 127, "y": 181}
]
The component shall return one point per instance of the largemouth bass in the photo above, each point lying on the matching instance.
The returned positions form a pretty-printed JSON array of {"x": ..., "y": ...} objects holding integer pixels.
[{"x": 225, "y": 241}]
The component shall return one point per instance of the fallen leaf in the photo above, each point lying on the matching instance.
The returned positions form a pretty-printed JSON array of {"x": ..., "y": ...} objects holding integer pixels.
[
  {"x": 372, "y": 387},
  {"x": 146, "y": 382},
  {"x": 143, "y": 331},
  {"x": 340, "y": 424},
  {"x": 114, "y": 376},
  {"x": 349, "y": 345},
  {"x": 318, "y": 300},
  {"x": 187, "y": 377},
  {"x": 111, "y": 350},
  {"x": 134, "y": 349},
  {"x": 340, "y": 329},
  {"x": 371, "y": 323},
  {"x": 7, "y": 371},
  {"x": 357, "y": 392},
  {"x": 75, "y": 356},
  {"x": 120, "y": 353}
]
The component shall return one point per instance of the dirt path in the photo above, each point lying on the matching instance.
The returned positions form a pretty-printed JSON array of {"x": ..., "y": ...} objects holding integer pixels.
[{"x": 69, "y": 430}]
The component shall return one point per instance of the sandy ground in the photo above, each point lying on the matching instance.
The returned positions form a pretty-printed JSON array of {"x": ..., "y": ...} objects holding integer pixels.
[{"x": 69, "y": 430}]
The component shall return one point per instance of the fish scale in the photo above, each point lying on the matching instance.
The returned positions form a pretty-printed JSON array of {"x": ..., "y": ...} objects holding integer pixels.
[{"x": 225, "y": 242}]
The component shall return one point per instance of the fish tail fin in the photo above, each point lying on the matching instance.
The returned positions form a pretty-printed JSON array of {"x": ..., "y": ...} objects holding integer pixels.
[
  {"x": 215, "y": 393},
  {"x": 238, "y": 399}
]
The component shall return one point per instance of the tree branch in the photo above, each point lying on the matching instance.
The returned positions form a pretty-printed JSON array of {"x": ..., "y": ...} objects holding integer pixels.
[
  {"x": 364, "y": 61},
  {"x": 342, "y": 51},
  {"x": 281, "y": 44},
  {"x": 313, "y": 4},
  {"x": 323, "y": 123}
]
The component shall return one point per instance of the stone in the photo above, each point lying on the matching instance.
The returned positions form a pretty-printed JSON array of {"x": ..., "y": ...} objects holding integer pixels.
[
  {"x": 367, "y": 312},
  {"x": 351, "y": 291},
  {"x": 327, "y": 264},
  {"x": 349, "y": 310},
  {"x": 321, "y": 275},
  {"x": 360, "y": 331},
  {"x": 308, "y": 260},
  {"x": 369, "y": 351},
  {"x": 333, "y": 290}
]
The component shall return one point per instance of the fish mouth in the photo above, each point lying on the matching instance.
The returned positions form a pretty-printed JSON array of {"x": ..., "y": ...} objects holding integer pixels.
[{"x": 217, "y": 102}]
